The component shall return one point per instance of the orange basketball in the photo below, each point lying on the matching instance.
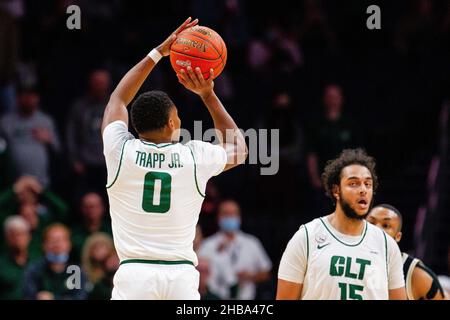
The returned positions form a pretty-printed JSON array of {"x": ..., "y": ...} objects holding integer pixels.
[{"x": 199, "y": 47}]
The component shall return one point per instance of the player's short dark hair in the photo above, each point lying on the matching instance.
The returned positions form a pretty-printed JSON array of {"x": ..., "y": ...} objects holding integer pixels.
[
  {"x": 332, "y": 173},
  {"x": 150, "y": 111},
  {"x": 394, "y": 209}
]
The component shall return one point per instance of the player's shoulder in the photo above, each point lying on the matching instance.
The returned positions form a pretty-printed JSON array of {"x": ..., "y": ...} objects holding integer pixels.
[
  {"x": 410, "y": 259},
  {"x": 199, "y": 145},
  {"x": 379, "y": 234},
  {"x": 406, "y": 256},
  {"x": 314, "y": 226},
  {"x": 116, "y": 125},
  {"x": 373, "y": 229},
  {"x": 115, "y": 131},
  {"x": 306, "y": 230}
]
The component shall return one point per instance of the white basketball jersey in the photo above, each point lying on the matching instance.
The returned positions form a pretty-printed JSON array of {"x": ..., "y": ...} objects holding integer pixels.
[
  {"x": 341, "y": 267},
  {"x": 156, "y": 192}
]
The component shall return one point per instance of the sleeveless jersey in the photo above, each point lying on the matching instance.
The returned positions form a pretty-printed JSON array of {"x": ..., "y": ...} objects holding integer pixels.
[
  {"x": 331, "y": 265},
  {"x": 156, "y": 192}
]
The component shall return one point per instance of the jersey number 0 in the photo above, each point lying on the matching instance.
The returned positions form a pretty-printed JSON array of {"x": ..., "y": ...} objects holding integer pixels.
[{"x": 159, "y": 201}]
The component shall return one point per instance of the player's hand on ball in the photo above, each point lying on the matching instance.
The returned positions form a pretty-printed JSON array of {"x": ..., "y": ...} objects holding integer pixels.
[
  {"x": 195, "y": 82},
  {"x": 164, "y": 48}
]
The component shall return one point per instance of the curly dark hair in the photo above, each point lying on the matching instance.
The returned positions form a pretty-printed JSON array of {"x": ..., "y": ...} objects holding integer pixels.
[
  {"x": 332, "y": 173},
  {"x": 150, "y": 111}
]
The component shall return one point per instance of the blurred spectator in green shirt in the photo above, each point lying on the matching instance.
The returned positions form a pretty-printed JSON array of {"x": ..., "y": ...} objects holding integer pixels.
[
  {"x": 14, "y": 261},
  {"x": 47, "y": 279},
  {"x": 39, "y": 206},
  {"x": 93, "y": 220}
]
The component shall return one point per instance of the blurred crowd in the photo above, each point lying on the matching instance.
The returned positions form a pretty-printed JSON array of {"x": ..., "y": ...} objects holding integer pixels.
[{"x": 311, "y": 69}]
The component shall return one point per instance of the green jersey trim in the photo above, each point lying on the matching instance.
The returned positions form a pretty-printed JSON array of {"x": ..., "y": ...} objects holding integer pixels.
[
  {"x": 195, "y": 173},
  {"x": 120, "y": 165},
  {"x": 164, "y": 262},
  {"x": 159, "y": 145},
  {"x": 307, "y": 243},
  {"x": 347, "y": 244},
  {"x": 385, "y": 249}
]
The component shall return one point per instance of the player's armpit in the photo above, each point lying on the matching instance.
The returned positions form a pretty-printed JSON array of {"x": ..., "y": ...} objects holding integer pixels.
[
  {"x": 425, "y": 284},
  {"x": 287, "y": 290},
  {"x": 397, "y": 294}
]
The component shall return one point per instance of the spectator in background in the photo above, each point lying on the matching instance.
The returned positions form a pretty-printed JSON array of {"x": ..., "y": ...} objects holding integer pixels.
[
  {"x": 216, "y": 273},
  {"x": 46, "y": 279},
  {"x": 100, "y": 262},
  {"x": 31, "y": 136},
  {"x": 38, "y": 206},
  {"x": 243, "y": 252},
  {"x": 327, "y": 138},
  {"x": 92, "y": 214},
  {"x": 84, "y": 138},
  {"x": 203, "y": 268},
  {"x": 15, "y": 259}
]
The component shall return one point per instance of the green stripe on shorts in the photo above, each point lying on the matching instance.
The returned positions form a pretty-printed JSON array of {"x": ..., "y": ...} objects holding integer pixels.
[{"x": 156, "y": 261}]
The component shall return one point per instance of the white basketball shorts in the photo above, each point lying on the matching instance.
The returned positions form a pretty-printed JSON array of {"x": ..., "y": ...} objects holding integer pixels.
[{"x": 143, "y": 281}]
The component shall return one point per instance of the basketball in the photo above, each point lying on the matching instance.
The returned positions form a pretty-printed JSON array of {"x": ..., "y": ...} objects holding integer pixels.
[{"x": 201, "y": 47}]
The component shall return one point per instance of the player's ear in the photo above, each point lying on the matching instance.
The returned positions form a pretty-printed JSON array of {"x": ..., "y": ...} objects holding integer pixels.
[
  {"x": 398, "y": 236},
  {"x": 171, "y": 124},
  {"x": 335, "y": 191}
]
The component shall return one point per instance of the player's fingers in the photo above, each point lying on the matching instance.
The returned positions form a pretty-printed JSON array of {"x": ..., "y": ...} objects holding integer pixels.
[
  {"x": 181, "y": 79},
  {"x": 192, "y": 76},
  {"x": 183, "y": 25},
  {"x": 211, "y": 76},
  {"x": 187, "y": 78},
  {"x": 191, "y": 24},
  {"x": 199, "y": 75},
  {"x": 183, "y": 76}
]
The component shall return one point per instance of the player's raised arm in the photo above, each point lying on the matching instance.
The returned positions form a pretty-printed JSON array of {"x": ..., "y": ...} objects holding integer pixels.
[
  {"x": 228, "y": 132},
  {"x": 133, "y": 80}
]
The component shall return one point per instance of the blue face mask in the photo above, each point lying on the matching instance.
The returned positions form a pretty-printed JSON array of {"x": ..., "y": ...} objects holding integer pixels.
[
  {"x": 230, "y": 224},
  {"x": 57, "y": 258}
]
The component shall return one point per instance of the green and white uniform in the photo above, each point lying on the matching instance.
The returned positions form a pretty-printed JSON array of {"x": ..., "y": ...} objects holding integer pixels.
[
  {"x": 335, "y": 266},
  {"x": 155, "y": 194}
]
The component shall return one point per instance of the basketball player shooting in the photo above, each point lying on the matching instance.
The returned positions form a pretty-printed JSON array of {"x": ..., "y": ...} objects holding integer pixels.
[
  {"x": 340, "y": 256},
  {"x": 155, "y": 185}
]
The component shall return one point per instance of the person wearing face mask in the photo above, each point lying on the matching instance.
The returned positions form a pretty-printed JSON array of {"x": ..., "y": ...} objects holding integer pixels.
[
  {"x": 47, "y": 279},
  {"x": 244, "y": 253}
]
